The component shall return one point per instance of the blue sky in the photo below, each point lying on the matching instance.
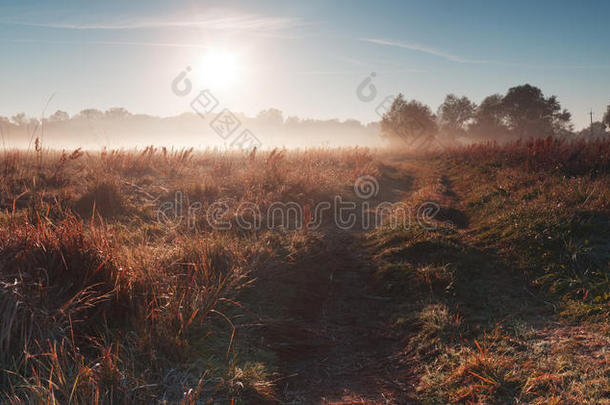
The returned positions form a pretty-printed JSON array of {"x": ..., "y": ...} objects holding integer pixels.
[{"x": 305, "y": 58}]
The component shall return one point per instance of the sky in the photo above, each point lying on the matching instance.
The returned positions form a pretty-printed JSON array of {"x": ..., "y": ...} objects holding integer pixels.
[{"x": 308, "y": 59}]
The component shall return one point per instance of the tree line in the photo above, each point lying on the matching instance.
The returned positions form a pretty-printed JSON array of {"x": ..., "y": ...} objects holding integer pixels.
[
  {"x": 270, "y": 116},
  {"x": 523, "y": 112}
]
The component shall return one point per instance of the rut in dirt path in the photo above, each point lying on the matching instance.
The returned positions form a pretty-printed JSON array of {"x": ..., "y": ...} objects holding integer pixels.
[
  {"x": 336, "y": 345},
  {"x": 346, "y": 350},
  {"x": 335, "y": 341}
]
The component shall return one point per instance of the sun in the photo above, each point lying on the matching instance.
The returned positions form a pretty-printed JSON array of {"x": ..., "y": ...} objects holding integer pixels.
[{"x": 219, "y": 68}]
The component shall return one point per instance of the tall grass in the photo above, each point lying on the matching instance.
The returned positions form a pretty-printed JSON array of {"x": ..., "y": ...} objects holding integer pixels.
[{"x": 101, "y": 303}]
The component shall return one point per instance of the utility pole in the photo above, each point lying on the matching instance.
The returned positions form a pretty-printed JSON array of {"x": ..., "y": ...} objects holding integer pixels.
[{"x": 591, "y": 115}]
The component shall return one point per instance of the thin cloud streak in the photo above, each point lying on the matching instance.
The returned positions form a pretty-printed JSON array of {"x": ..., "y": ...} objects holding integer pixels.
[
  {"x": 235, "y": 23},
  {"x": 355, "y": 72},
  {"x": 423, "y": 48},
  {"x": 326, "y": 73},
  {"x": 458, "y": 59},
  {"x": 118, "y": 43}
]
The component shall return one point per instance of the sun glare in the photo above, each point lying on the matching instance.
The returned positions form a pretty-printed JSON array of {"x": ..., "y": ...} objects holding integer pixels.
[{"x": 219, "y": 68}]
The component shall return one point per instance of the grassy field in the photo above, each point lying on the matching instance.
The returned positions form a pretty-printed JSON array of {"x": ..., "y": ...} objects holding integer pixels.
[{"x": 161, "y": 276}]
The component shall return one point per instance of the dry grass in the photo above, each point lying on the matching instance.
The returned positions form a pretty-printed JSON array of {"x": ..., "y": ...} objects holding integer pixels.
[
  {"x": 101, "y": 303},
  {"x": 504, "y": 302},
  {"x": 512, "y": 307}
]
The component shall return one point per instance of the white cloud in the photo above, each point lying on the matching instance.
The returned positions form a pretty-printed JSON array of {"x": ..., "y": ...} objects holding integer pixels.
[
  {"x": 252, "y": 23},
  {"x": 119, "y": 43},
  {"x": 423, "y": 48}
]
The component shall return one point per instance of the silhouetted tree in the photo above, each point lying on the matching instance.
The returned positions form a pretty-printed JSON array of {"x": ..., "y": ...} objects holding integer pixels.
[
  {"x": 59, "y": 116},
  {"x": 117, "y": 112},
  {"x": 19, "y": 119},
  {"x": 271, "y": 116},
  {"x": 529, "y": 114},
  {"x": 292, "y": 121},
  {"x": 409, "y": 121},
  {"x": 91, "y": 114},
  {"x": 522, "y": 112},
  {"x": 352, "y": 122},
  {"x": 597, "y": 129},
  {"x": 454, "y": 115},
  {"x": 489, "y": 119},
  {"x": 606, "y": 119}
]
